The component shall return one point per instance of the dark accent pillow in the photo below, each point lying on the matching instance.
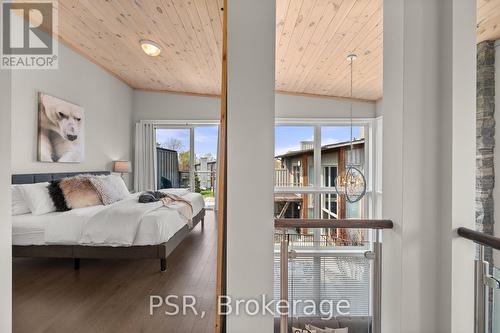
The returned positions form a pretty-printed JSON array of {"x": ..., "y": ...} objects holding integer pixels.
[
  {"x": 57, "y": 196},
  {"x": 165, "y": 183},
  {"x": 151, "y": 196}
]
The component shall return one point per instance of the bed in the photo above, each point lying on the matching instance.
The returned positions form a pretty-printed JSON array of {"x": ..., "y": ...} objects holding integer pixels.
[{"x": 160, "y": 230}]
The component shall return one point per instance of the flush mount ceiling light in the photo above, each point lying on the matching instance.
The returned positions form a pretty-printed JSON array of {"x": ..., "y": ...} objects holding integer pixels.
[
  {"x": 351, "y": 183},
  {"x": 151, "y": 48}
]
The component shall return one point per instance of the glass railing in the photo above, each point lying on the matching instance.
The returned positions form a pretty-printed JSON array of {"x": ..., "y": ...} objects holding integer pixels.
[
  {"x": 324, "y": 282},
  {"x": 495, "y": 308}
]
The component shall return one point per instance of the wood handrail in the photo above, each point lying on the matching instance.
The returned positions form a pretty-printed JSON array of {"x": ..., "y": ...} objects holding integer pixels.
[
  {"x": 479, "y": 237},
  {"x": 324, "y": 223}
]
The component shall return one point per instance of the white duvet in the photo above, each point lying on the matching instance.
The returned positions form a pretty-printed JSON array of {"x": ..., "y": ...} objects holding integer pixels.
[{"x": 124, "y": 223}]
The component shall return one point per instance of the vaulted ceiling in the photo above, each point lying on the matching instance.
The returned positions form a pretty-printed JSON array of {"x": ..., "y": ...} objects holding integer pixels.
[{"x": 313, "y": 38}]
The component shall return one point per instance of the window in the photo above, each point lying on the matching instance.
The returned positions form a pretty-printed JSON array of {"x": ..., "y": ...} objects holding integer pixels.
[
  {"x": 205, "y": 162},
  {"x": 173, "y": 157},
  {"x": 328, "y": 263},
  {"x": 294, "y": 149},
  {"x": 329, "y": 200},
  {"x": 296, "y": 175},
  {"x": 333, "y": 277},
  {"x": 302, "y": 152}
]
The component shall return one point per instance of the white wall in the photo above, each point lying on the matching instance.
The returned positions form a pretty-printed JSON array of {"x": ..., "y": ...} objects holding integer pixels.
[
  {"x": 108, "y": 112},
  {"x": 296, "y": 106},
  {"x": 428, "y": 165},
  {"x": 5, "y": 218},
  {"x": 250, "y": 150},
  {"x": 171, "y": 106},
  {"x": 379, "y": 107}
]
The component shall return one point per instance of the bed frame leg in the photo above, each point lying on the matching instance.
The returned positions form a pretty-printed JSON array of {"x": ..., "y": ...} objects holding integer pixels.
[
  {"x": 163, "y": 264},
  {"x": 76, "y": 263},
  {"x": 202, "y": 224}
]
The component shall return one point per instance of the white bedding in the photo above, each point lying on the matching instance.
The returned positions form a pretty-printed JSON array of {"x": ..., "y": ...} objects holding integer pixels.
[{"x": 155, "y": 227}]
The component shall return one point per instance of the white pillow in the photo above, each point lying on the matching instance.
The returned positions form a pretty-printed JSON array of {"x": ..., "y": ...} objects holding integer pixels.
[
  {"x": 19, "y": 205},
  {"x": 338, "y": 330},
  {"x": 110, "y": 188},
  {"x": 37, "y": 198}
]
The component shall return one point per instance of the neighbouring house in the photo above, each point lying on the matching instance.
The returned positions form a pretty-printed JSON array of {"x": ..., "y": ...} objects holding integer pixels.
[
  {"x": 296, "y": 169},
  {"x": 206, "y": 170}
]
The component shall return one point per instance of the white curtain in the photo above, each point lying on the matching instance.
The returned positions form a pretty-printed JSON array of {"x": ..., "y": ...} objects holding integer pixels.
[{"x": 145, "y": 157}]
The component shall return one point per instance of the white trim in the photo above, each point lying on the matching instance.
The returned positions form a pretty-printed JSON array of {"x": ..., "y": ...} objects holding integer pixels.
[
  {"x": 323, "y": 121},
  {"x": 184, "y": 122},
  {"x": 317, "y": 176},
  {"x": 191, "y": 158}
]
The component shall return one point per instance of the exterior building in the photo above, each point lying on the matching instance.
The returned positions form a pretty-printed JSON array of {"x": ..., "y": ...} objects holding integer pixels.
[
  {"x": 206, "y": 171},
  {"x": 296, "y": 169},
  {"x": 169, "y": 175}
]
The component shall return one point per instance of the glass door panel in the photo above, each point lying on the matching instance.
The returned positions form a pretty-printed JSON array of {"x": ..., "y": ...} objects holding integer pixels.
[
  {"x": 205, "y": 162},
  {"x": 173, "y": 152}
]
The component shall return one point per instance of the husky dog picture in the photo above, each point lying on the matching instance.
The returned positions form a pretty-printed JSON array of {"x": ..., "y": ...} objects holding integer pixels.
[{"x": 61, "y": 129}]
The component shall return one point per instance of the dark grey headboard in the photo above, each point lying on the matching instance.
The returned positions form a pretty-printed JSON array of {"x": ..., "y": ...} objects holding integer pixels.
[{"x": 30, "y": 178}]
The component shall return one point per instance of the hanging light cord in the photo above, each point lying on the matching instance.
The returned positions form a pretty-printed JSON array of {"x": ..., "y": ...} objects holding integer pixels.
[{"x": 352, "y": 59}]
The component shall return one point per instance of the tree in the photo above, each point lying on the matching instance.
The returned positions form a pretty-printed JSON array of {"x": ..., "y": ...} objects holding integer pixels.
[
  {"x": 209, "y": 157},
  {"x": 197, "y": 187},
  {"x": 174, "y": 144},
  {"x": 184, "y": 161}
]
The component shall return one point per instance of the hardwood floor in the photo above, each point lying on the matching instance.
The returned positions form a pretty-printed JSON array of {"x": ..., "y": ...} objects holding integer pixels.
[{"x": 114, "y": 295}]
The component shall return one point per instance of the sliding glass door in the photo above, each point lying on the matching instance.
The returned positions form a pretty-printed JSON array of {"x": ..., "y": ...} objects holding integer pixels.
[{"x": 186, "y": 157}]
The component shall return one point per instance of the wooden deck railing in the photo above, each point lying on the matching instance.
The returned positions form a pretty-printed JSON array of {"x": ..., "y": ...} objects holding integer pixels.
[{"x": 324, "y": 223}]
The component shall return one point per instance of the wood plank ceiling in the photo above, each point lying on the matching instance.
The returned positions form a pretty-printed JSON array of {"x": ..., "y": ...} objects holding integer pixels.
[
  {"x": 189, "y": 32},
  {"x": 313, "y": 38},
  {"x": 488, "y": 20}
]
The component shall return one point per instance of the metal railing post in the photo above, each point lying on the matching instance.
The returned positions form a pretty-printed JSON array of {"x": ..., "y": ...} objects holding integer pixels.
[
  {"x": 377, "y": 284},
  {"x": 284, "y": 281},
  {"x": 481, "y": 292}
]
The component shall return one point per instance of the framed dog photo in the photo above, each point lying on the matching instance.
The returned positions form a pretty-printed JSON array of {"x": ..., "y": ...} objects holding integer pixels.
[{"x": 61, "y": 130}]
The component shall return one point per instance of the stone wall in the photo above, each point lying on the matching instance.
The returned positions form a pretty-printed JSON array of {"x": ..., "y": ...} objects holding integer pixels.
[
  {"x": 485, "y": 144},
  {"x": 485, "y": 136}
]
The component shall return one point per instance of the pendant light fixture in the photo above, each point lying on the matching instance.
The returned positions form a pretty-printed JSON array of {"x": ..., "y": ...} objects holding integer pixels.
[{"x": 351, "y": 183}]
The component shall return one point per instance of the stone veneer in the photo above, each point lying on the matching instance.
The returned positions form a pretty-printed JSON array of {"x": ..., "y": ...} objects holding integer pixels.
[
  {"x": 485, "y": 145},
  {"x": 485, "y": 136}
]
